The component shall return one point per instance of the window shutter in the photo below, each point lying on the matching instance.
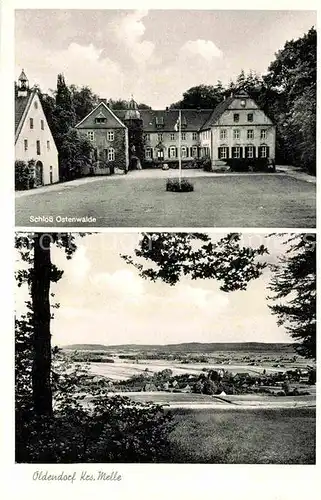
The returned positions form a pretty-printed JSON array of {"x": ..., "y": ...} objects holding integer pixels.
[
  {"x": 151, "y": 152},
  {"x": 169, "y": 152},
  {"x": 227, "y": 152},
  {"x": 246, "y": 154},
  {"x": 96, "y": 154},
  {"x": 267, "y": 151},
  {"x": 254, "y": 152},
  {"x": 219, "y": 153},
  {"x": 233, "y": 152},
  {"x": 260, "y": 152},
  {"x": 175, "y": 152},
  {"x": 241, "y": 153}
]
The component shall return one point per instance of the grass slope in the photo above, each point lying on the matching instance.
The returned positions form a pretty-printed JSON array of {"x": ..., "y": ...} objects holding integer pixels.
[{"x": 278, "y": 436}]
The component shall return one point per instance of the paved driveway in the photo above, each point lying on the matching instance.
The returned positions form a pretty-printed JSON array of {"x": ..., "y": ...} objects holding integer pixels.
[{"x": 139, "y": 199}]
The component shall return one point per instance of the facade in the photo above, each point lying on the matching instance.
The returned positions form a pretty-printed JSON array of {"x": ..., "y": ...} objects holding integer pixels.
[
  {"x": 235, "y": 130},
  {"x": 33, "y": 138},
  {"x": 109, "y": 136}
]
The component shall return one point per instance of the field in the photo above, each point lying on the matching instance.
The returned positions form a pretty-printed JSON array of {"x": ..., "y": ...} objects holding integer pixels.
[
  {"x": 278, "y": 436},
  {"x": 267, "y": 200}
]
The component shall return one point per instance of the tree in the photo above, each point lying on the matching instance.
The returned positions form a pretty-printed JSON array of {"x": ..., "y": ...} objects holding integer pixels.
[
  {"x": 293, "y": 285},
  {"x": 174, "y": 255},
  {"x": 36, "y": 252},
  {"x": 201, "y": 96},
  {"x": 84, "y": 101}
]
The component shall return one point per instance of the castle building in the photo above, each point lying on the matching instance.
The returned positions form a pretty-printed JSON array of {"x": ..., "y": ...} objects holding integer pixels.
[
  {"x": 236, "y": 129},
  {"x": 33, "y": 138}
]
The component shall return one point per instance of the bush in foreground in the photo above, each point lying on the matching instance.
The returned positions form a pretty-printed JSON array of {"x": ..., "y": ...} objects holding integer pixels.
[{"x": 178, "y": 186}]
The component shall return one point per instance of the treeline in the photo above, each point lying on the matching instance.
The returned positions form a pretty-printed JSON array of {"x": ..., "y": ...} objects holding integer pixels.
[{"x": 287, "y": 94}]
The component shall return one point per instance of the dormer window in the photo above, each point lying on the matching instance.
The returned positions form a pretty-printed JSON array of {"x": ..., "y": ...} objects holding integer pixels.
[
  {"x": 243, "y": 103},
  {"x": 159, "y": 121},
  {"x": 100, "y": 119}
]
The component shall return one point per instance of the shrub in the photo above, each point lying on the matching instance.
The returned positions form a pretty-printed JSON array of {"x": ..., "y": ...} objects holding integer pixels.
[
  {"x": 176, "y": 185},
  {"x": 24, "y": 175}
]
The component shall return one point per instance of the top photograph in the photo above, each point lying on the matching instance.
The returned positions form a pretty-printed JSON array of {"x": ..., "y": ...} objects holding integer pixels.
[{"x": 165, "y": 118}]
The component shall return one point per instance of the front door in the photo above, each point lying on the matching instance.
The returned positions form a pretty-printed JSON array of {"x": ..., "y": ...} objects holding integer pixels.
[
  {"x": 39, "y": 173},
  {"x": 160, "y": 154}
]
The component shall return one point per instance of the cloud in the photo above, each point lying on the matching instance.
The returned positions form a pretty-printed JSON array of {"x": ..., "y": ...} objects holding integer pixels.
[
  {"x": 130, "y": 32},
  {"x": 123, "y": 285},
  {"x": 204, "y": 48},
  {"x": 81, "y": 65}
]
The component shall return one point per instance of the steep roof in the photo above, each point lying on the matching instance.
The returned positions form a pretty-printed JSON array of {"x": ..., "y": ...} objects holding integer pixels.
[
  {"x": 217, "y": 112},
  {"x": 193, "y": 118},
  {"x": 21, "y": 106}
]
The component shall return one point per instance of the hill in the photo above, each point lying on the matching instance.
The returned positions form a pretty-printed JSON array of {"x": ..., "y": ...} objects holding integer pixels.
[{"x": 189, "y": 347}]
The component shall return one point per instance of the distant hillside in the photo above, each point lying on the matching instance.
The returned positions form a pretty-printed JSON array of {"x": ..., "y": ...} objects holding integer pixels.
[{"x": 189, "y": 347}]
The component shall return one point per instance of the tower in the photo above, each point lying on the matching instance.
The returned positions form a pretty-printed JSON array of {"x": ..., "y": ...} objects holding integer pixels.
[
  {"x": 134, "y": 124},
  {"x": 23, "y": 85}
]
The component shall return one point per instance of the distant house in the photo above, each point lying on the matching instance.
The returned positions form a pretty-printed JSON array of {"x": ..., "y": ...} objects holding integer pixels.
[{"x": 33, "y": 137}]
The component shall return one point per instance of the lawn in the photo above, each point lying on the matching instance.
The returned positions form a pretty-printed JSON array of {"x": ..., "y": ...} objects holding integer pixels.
[
  {"x": 232, "y": 201},
  {"x": 274, "y": 436}
]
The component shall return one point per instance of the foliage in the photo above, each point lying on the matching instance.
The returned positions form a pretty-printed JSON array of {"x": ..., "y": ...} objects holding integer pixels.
[
  {"x": 24, "y": 175},
  {"x": 174, "y": 255},
  {"x": 179, "y": 185},
  {"x": 201, "y": 96},
  {"x": 293, "y": 284}
]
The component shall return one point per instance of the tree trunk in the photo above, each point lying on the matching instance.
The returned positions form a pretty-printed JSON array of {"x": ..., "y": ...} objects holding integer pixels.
[{"x": 40, "y": 289}]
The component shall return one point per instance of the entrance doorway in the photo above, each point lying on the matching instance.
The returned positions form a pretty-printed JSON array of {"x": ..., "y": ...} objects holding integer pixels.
[
  {"x": 39, "y": 173},
  {"x": 160, "y": 154}
]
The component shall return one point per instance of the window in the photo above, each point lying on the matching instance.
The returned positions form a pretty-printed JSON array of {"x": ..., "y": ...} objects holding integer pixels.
[
  {"x": 35, "y": 105},
  {"x": 236, "y": 133},
  {"x": 172, "y": 152},
  {"x": 236, "y": 117},
  {"x": 250, "y": 117},
  {"x": 172, "y": 137},
  {"x": 250, "y": 152},
  {"x": 160, "y": 137},
  {"x": 51, "y": 175},
  {"x": 148, "y": 153},
  {"x": 223, "y": 153},
  {"x": 223, "y": 134},
  {"x": 42, "y": 124},
  {"x": 25, "y": 142},
  {"x": 195, "y": 136},
  {"x": 184, "y": 152},
  {"x": 91, "y": 135},
  {"x": 263, "y": 134},
  {"x": 250, "y": 134},
  {"x": 48, "y": 145},
  {"x": 31, "y": 122},
  {"x": 263, "y": 151},
  {"x": 236, "y": 152},
  {"x": 159, "y": 121},
  {"x": 183, "y": 136},
  {"x": 100, "y": 119},
  {"x": 38, "y": 148},
  {"x": 110, "y": 135},
  {"x": 111, "y": 154},
  {"x": 194, "y": 150},
  {"x": 147, "y": 137}
]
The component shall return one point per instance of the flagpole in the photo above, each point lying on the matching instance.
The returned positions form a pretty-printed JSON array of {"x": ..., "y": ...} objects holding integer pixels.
[{"x": 179, "y": 147}]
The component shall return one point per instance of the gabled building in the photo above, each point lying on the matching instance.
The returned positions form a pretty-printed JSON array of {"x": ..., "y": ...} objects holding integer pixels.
[
  {"x": 33, "y": 138},
  {"x": 109, "y": 137}
]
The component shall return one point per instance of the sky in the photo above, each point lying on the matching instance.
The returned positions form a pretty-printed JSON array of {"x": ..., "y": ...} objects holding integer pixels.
[
  {"x": 153, "y": 55},
  {"x": 104, "y": 301}
]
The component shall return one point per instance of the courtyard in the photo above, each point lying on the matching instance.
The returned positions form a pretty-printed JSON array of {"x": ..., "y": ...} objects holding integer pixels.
[{"x": 139, "y": 199}]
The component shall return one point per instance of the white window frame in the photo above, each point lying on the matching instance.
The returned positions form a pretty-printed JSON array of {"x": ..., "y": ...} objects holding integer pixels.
[
  {"x": 172, "y": 137},
  {"x": 237, "y": 152},
  {"x": 172, "y": 152},
  {"x": 91, "y": 135},
  {"x": 110, "y": 135},
  {"x": 148, "y": 153},
  {"x": 236, "y": 133},
  {"x": 250, "y": 149},
  {"x": 195, "y": 151},
  {"x": 48, "y": 145},
  {"x": 184, "y": 151},
  {"x": 111, "y": 154},
  {"x": 25, "y": 144},
  {"x": 263, "y": 133},
  {"x": 223, "y": 134},
  {"x": 263, "y": 152},
  {"x": 194, "y": 137},
  {"x": 183, "y": 136},
  {"x": 223, "y": 153},
  {"x": 160, "y": 136},
  {"x": 250, "y": 134},
  {"x": 147, "y": 137}
]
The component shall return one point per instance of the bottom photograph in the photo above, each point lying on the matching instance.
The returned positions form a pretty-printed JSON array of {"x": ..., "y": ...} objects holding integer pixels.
[{"x": 165, "y": 348}]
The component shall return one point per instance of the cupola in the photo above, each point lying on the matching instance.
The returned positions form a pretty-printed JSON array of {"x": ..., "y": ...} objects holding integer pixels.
[
  {"x": 23, "y": 85},
  {"x": 132, "y": 112}
]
